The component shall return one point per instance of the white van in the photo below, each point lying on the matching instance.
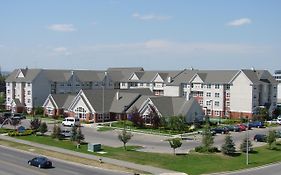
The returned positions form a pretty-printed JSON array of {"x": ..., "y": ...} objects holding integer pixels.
[{"x": 70, "y": 121}]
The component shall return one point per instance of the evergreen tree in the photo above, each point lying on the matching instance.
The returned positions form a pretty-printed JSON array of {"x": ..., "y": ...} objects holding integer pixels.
[
  {"x": 43, "y": 128},
  {"x": 243, "y": 146},
  {"x": 56, "y": 132},
  {"x": 73, "y": 133},
  {"x": 175, "y": 143},
  {"x": 137, "y": 120},
  {"x": 228, "y": 148}
]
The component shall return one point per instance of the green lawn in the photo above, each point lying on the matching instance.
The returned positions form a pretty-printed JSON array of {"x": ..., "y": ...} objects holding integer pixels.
[
  {"x": 193, "y": 163},
  {"x": 5, "y": 130}
]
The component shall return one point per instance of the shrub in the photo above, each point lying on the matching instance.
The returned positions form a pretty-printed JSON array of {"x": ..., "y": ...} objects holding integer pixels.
[
  {"x": 202, "y": 149},
  {"x": 16, "y": 133}
]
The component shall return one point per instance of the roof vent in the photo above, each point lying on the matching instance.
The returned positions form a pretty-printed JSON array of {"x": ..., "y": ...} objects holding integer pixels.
[{"x": 170, "y": 79}]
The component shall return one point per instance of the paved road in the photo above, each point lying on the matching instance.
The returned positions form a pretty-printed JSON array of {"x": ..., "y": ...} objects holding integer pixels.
[
  {"x": 273, "y": 169},
  {"x": 13, "y": 162}
]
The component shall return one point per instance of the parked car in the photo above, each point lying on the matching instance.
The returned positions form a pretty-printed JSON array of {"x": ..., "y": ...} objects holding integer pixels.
[
  {"x": 220, "y": 130},
  {"x": 233, "y": 128},
  {"x": 260, "y": 138},
  {"x": 7, "y": 115},
  {"x": 256, "y": 124},
  {"x": 212, "y": 132},
  {"x": 242, "y": 127},
  {"x": 18, "y": 116},
  {"x": 40, "y": 162},
  {"x": 70, "y": 121},
  {"x": 66, "y": 133}
]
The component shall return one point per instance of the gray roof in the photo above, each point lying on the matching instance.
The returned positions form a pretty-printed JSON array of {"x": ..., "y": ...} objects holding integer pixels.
[
  {"x": 148, "y": 76},
  {"x": 63, "y": 100},
  {"x": 259, "y": 76},
  {"x": 95, "y": 98},
  {"x": 217, "y": 76},
  {"x": 123, "y": 101},
  {"x": 183, "y": 77},
  {"x": 29, "y": 75}
]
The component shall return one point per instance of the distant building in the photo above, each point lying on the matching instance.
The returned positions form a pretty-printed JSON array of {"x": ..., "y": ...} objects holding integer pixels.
[{"x": 277, "y": 76}]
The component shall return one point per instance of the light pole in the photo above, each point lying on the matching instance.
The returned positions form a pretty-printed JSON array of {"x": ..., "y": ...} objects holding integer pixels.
[{"x": 247, "y": 151}]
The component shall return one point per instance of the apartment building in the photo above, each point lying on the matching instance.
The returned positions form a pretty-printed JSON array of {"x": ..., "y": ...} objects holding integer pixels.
[
  {"x": 277, "y": 76},
  {"x": 221, "y": 93}
]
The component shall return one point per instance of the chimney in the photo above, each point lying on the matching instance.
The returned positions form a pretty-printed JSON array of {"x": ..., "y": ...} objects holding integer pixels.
[
  {"x": 169, "y": 79},
  {"x": 117, "y": 95}
]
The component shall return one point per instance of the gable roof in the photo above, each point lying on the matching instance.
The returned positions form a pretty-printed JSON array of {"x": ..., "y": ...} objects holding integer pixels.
[
  {"x": 63, "y": 100},
  {"x": 29, "y": 75},
  {"x": 122, "y": 101}
]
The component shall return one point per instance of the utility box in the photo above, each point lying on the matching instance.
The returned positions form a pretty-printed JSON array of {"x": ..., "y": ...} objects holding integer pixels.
[{"x": 94, "y": 147}]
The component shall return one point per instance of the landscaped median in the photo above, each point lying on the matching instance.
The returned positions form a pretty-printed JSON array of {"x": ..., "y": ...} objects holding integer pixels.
[{"x": 191, "y": 163}]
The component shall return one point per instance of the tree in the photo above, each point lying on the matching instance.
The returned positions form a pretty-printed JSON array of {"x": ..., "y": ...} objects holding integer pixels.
[
  {"x": 243, "y": 146},
  {"x": 124, "y": 137},
  {"x": 136, "y": 118},
  {"x": 56, "y": 132},
  {"x": 271, "y": 138},
  {"x": 154, "y": 117},
  {"x": 175, "y": 143},
  {"x": 43, "y": 128},
  {"x": 77, "y": 136},
  {"x": 35, "y": 124},
  {"x": 228, "y": 148},
  {"x": 207, "y": 138},
  {"x": 73, "y": 133},
  {"x": 39, "y": 110},
  {"x": 14, "y": 122}
]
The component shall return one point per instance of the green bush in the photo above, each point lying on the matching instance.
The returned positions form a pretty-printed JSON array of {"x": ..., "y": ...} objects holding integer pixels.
[
  {"x": 202, "y": 149},
  {"x": 25, "y": 133}
]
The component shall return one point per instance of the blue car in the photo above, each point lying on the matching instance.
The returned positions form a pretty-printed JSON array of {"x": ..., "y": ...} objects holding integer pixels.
[
  {"x": 256, "y": 124},
  {"x": 40, "y": 162}
]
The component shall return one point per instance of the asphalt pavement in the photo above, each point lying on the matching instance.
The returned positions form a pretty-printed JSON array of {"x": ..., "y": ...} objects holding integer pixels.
[{"x": 14, "y": 162}]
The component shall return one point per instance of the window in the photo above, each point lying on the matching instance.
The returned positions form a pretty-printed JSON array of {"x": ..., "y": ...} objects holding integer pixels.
[
  {"x": 28, "y": 84},
  {"x": 192, "y": 85},
  {"x": 201, "y": 102},
  {"x": 217, "y": 113},
  {"x": 28, "y": 100},
  {"x": 184, "y": 94},
  {"x": 200, "y": 94},
  {"x": 209, "y": 86},
  {"x": 202, "y": 86},
  {"x": 28, "y": 92},
  {"x": 80, "y": 113},
  {"x": 147, "y": 84},
  {"x": 208, "y": 103},
  {"x": 227, "y": 87},
  {"x": 8, "y": 99},
  {"x": 208, "y": 94},
  {"x": 141, "y": 84},
  {"x": 8, "y": 91},
  {"x": 184, "y": 85},
  {"x": 217, "y": 86},
  {"x": 227, "y": 104},
  {"x": 217, "y": 95},
  {"x": 227, "y": 95},
  {"x": 217, "y": 103},
  {"x": 123, "y": 84},
  {"x": 96, "y": 84}
]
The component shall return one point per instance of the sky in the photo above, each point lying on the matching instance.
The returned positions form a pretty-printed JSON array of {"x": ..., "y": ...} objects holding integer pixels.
[{"x": 153, "y": 34}]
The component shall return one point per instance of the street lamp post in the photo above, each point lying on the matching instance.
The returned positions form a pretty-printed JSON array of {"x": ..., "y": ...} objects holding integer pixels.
[{"x": 247, "y": 151}]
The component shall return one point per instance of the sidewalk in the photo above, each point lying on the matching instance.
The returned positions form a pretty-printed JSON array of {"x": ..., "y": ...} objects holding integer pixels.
[{"x": 145, "y": 168}]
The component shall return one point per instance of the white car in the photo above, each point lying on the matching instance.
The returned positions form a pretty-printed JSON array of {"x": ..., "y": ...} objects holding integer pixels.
[{"x": 70, "y": 121}]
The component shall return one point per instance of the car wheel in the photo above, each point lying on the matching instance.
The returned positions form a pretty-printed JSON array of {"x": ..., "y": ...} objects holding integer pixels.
[{"x": 39, "y": 166}]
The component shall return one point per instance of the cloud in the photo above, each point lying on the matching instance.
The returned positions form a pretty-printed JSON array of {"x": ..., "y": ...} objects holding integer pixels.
[
  {"x": 149, "y": 17},
  {"x": 62, "y": 27},
  {"x": 239, "y": 22},
  {"x": 61, "y": 51}
]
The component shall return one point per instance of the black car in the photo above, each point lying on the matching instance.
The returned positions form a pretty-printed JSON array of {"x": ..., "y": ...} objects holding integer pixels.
[
  {"x": 256, "y": 124},
  {"x": 221, "y": 130},
  {"x": 233, "y": 128},
  {"x": 260, "y": 138},
  {"x": 40, "y": 162}
]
